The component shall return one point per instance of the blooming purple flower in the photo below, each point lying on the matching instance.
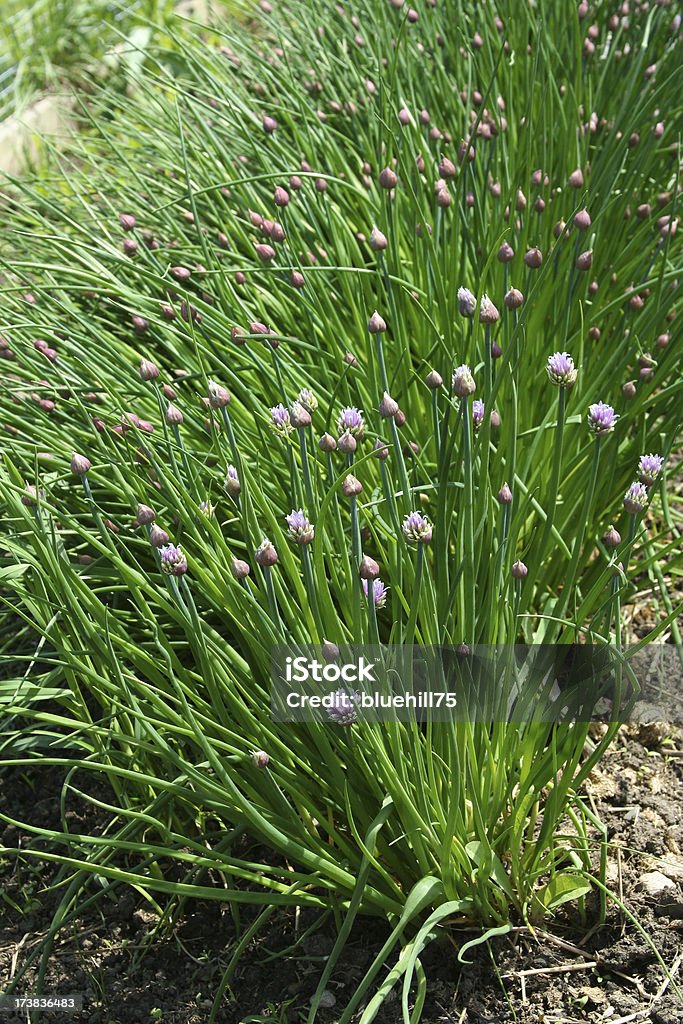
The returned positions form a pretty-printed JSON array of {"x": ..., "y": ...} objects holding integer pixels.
[
  {"x": 281, "y": 421},
  {"x": 351, "y": 420},
  {"x": 636, "y": 498},
  {"x": 561, "y": 370},
  {"x": 649, "y": 468},
  {"x": 467, "y": 303},
  {"x": 417, "y": 529},
  {"x": 463, "y": 381},
  {"x": 173, "y": 561},
  {"x": 301, "y": 530},
  {"x": 343, "y": 710},
  {"x": 601, "y": 418},
  {"x": 478, "y": 410},
  {"x": 379, "y": 592}
]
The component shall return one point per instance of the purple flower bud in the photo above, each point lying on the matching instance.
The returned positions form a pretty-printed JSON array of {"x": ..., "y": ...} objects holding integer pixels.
[
  {"x": 265, "y": 554},
  {"x": 264, "y": 252},
  {"x": 388, "y": 407},
  {"x": 32, "y": 495},
  {"x": 269, "y": 124},
  {"x": 299, "y": 416},
  {"x": 239, "y": 569},
  {"x": 347, "y": 443},
  {"x": 575, "y": 179},
  {"x": 404, "y": 116},
  {"x": 478, "y": 410},
  {"x": 301, "y": 530},
  {"x": 628, "y": 389},
  {"x": 612, "y": 538},
  {"x": 505, "y": 495},
  {"x": 327, "y": 443},
  {"x": 387, "y": 178},
  {"x": 380, "y": 450},
  {"x": 343, "y": 710},
  {"x": 219, "y": 396},
  {"x": 463, "y": 381},
  {"x": 584, "y": 261},
  {"x": 582, "y": 220},
  {"x": 181, "y": 273},
  {"x": 351, "y": 420},
  {"x": 280, "y": 420},
  {"x": 174, "y": 416},
  {"x": 513, "y": 298},
  {"x": 379, "y": 592},
  {"x": 519, "y": 570},
  {"x": 368, "y": 568},
  {"x": 157, "y": 536},
  {"x": 416, "y": 528},
  {"x": 488, "y": 314},
  {"x": 281, "y": 196},
  {"x": 378, "y": 241},
  {"x": 148, "y": 370},
  {"x": 329, "y": 651},
  {"x": 446, "y": 168},
  {"x": 533, "y": 258},
  {"x": 636, "y": 498},
  {"x": 231, "y": 484},
  {"x": 434, "y": 380},
  {"x": 376, "y": 325},
  {"x": 649, "y": 468},
  {"x": 351, "y": 486},
  {"x": 146, "y": 515},
  {"x": 260, "y": 758},
  {"x": 466, "y": 302},
  {"x": 79, "y": 464},
  {"x": 127, "y": 221},
  {"x": 506, "y": 253},
  {"x": 561, "y": 370},
  {"x": 601, "y": 418},
  {"x": 173, "y": 561}
]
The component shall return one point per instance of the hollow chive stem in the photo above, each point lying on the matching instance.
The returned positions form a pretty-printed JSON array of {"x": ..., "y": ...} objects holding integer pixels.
[
  {"x": 308, "y": 486},
  {"x": 467, "y": 582}
]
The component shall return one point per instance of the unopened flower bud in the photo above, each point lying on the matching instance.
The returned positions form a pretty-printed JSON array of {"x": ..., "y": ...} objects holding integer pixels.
[
  {"x": 505, "y": 495},
  {"x": 378, "y": 241},
  {"x": 239, "y": 569},
  {"x": 584, "y": 261},
  {"x": 506, "y": 253},
  {"x": 388, "y": 407},
  {"x": 582, "y": 220},
  {"x": 519, "y": 570},
  {"x": 434, "y": 380},
  {"x": 533, "y": 258},
  {"x": 259, "y": 757},
  {"x": 612, "y": 538},
  {"x": 174, "y": 416},
  {"x": 219, "y": 396},
  {"x": 148, "y": 370},
  {"x": 376, "y": 325},
  {"x": 368, "y": 568},
  {"x": 387, "y": 178},
  {"x": 146, "y": 515},
  {"x": 463, "y": 381},
  {"x": 351, "y": 486},
  {"x": 79, "y": 464},
  {"x": 327, "y": 443},
  {"x": 265, "y": 554}
]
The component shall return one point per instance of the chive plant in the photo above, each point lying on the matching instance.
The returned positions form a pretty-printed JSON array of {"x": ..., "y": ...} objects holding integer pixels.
[{"x": 357, "y": 328}]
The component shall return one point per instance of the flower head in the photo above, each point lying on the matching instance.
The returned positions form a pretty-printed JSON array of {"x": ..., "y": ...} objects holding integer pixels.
[
  {"x": 519, "y": 570},
  {"x": 80, "y": 465},
  {"x": 463, "y": 381},
  {"x": 219, "y": 396},
  {"x": 281, "y": 421},
  {"x": 173, "y": 561},
  {"x": 343, "y": 710},
  {"x": 351, "y": 420},
  {"x": 231, "y": 484},
  {"x": 636, "y": 498},
  {"x": 260, "y": 758},
  {"x": 265, "y": 554},
  {"x": 561, "y": 370},
  {"x": 299, "y": 416},
  {"x": 301, "y": 530},
  {"x": 488, "y": 313},
  {"x": 478, "y": 410},
  {"x": 417, "y": 529},
  {"x": 601, "y": 418},
  {"x": 308, "y": 400},
  {"x": 649, "y": 468},
  {"x": 379, "y": 592},
  {"x": 467, "y": 303}
]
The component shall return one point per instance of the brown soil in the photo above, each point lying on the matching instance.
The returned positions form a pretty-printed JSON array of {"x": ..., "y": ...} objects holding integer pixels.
[{"x": 128, "y": 970}]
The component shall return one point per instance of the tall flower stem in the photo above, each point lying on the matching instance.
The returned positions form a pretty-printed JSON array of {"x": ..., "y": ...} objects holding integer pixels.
[
  {"x": 468, "y": 581},
  {"x": 308, "y": 486},
  {"x": 409, "y": 636},
  {"x": 570, "y": 577},
  {"x": 551, "y": 502}
]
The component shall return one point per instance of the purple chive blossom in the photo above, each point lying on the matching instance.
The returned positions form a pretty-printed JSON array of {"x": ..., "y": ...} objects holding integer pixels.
[
  {"x": 173, "y": 561},
  {"x": 231, "y": 484},
  {"x": 466, "y": 302},
  {"x": 636, "y": 498},
  {"x": 379, "y": 592},
  {"x": 601, "y": 418},
  {"x": 308, "y": 400},
  {"x": 281, "y": 422},
  {"x": 649, "y": 468},
  {"x": 301, "y": 530},
  {"x": 463, "y": 381},
  {"x": 417, "y": 529},
  {"x": 343, "y": 709},
  {"x": 478, "y": 410},
  {"x": 351, "y": 420},
  {"x": 561, "y": 370}
]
